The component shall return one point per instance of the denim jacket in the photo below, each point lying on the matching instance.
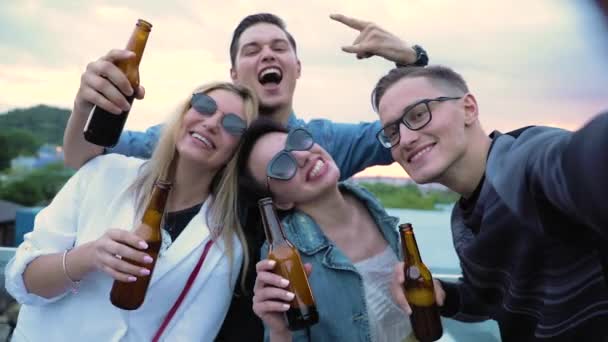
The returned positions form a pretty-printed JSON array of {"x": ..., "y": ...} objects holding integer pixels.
[
  {"x": 336, "y": 285},
  {"x": 353, "y": 146}
]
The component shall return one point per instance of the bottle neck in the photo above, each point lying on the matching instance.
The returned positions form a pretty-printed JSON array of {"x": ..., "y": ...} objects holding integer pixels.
[
  {"x": 272, "y": 225},
  {"x": 410, "y": 247},
  {"x": 156, "y": 205},
  {"x": 137, "y": 42}
]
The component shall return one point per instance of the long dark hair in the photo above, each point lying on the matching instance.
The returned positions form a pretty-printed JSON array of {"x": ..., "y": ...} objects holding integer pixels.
[{"x": 251, "y": 191}]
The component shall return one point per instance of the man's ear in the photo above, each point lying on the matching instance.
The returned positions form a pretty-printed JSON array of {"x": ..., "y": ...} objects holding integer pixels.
[
  {"x": 471, "y": 110},
  {"x": 299, "y": 69},
  {"x": 233, "y": 74},
  {"x": 283, "y": 205}
]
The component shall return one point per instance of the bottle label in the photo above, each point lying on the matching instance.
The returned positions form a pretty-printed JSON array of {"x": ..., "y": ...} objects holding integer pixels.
[{"x": 420, "y": 297}]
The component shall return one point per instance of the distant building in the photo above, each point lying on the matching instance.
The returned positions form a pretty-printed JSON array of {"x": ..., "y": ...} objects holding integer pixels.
[{"x": 47, "y": 154}]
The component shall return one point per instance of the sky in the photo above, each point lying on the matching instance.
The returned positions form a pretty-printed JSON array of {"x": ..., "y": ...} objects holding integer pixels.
[{"x": 540, "y": 62}]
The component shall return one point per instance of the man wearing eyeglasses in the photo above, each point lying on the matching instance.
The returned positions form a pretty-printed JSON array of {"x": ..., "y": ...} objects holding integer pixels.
[{"x": 531, "y": 227}]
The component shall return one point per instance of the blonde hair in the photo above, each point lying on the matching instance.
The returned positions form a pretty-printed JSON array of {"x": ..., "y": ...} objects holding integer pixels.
[{"x": 222, "y": 215}]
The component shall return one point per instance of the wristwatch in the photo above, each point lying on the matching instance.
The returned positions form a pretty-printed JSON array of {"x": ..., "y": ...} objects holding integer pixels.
[{"x": 422, "y": 59}]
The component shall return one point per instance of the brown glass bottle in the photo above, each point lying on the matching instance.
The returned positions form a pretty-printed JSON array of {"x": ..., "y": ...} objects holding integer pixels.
[
  {"x": 419, "y": 290},
  {"x": 303, "y": 310},
  {"x": 130, "y": 296},
  {"x": 103, "y": 128}
]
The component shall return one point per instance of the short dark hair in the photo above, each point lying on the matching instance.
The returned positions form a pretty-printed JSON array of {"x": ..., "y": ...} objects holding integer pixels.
[
  {"x": 436, "y": 74},
  {"x": 250, "y": 191},
  {"x": 249, "y": 188},
  {"x": 251, "y": 20}
]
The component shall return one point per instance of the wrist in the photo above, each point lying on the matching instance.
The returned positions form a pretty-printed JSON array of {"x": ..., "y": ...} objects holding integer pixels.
[
  {"x": 420, "y": 58},
  {"x": 79, "y": 261},
  {"x": 82, "y": 108},
  {"x": 407, "y": 57}
]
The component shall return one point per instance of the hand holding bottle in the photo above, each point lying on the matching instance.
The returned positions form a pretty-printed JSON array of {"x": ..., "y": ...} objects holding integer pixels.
[
  {"x": 103, "y": 84},
  {"x": 108, "y": 254},
  {"x": 399, "y": 294},
  {"x": 271, "y": 297}
]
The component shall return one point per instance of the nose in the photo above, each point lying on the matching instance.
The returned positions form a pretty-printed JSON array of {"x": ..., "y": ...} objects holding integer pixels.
[
  {"x": 407, "y": 136},
  {"x": 268, "y": 54},
  {"x": 301, "y": 157},
  {"x": 211, "y": 123}
]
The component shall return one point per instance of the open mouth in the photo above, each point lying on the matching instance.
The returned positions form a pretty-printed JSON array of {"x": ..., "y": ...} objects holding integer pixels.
[
  {"x": 208, "y": 143},
  {"x": 271, "y": 75},
  {"x": 420, "y": 153},
  {"x": 316, "y": 169}
]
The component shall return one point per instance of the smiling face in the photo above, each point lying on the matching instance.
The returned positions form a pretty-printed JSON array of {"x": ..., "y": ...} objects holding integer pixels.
[
  {"x": 427, "y": 155},
  {"x": 203, "y": 139},
  {"x": 316, "y": 171},
  {"x": 267, "y": 63}
]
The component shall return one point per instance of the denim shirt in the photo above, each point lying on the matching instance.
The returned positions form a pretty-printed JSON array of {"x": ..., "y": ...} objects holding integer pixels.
[
  {"x": 353, "y": 146},
  {"x": 336, "y": 285}
]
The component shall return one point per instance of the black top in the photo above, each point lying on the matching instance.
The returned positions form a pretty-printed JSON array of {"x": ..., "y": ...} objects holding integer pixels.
[
  {"x": 532, "y": 240},
  {"x": 176, "y": 221}
]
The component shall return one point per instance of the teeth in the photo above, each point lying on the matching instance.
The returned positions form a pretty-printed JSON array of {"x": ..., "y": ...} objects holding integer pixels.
[
  {"x": 420, "y": 153},
  {"x": 202, "y": 139},
  {"x": 270, "y": 71},
  {"x": 315, "y": 170}
]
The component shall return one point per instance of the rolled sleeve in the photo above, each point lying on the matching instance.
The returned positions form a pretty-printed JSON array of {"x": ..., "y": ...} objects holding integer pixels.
[{"x": 54, "y": 231}]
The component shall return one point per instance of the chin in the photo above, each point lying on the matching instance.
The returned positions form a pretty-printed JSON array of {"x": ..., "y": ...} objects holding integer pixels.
[
  {"x": 422, "y": 176},
  {"x": 271, "y": 104}
]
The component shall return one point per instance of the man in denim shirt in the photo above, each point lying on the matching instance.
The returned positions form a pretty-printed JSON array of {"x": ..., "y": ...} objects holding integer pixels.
[{"x": 263, "y": 56}]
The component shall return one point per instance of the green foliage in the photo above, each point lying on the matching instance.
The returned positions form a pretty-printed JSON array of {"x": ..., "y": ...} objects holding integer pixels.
[
  {"x": 36, "y": 188},
  {"x": 409, "y": 196},
  {"x": 15, "y": 142},
  {"x": 44, "y": 122}
]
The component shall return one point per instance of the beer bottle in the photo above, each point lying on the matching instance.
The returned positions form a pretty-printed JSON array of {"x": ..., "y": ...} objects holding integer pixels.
[
  {"x": 130, "y": 295},
  {"x": 103, "y": 128},
  {"x": 303, "y": 310},
  {"x": 419, "y": 290}
]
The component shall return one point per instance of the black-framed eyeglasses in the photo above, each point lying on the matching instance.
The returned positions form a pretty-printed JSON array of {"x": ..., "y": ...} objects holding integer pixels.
[
  {"x": 415, "y": 117},
  {"x": 206, "y": 105},
  {"x": 283, "y": 165}
]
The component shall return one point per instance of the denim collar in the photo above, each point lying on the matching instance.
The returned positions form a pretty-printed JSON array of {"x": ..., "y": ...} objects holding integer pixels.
[
  {"x": 306, "y": 234},
  {"x": 293, "y": 121}
]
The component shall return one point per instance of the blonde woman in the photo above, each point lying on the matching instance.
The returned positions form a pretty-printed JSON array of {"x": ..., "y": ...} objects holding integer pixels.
[{"x": 63, "y": 271}]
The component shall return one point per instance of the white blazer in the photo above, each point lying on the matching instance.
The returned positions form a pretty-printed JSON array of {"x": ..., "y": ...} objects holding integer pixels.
[{"x": 91, "y": 202}]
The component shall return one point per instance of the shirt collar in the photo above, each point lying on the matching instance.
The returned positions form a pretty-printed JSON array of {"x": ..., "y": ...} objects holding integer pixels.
[{"x": 305, "y": 233}]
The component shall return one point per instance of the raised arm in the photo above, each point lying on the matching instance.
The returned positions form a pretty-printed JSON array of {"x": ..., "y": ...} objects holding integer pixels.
[
  {"x": 373, "y": 40},
  {"x": 101, "y": 84},
  {"x": 353, "y": 146}
]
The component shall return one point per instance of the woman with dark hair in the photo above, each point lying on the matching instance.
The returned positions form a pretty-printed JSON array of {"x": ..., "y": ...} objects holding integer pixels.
[{"x": 345, "y": 237}]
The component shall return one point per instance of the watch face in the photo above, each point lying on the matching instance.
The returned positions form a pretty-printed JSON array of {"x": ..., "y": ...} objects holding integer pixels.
[{"x": 422, "y": 59}]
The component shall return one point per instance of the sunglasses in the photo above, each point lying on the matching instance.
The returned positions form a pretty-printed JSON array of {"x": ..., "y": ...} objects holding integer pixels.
[
  {"x": 283, "y": 165},
  {"x": 206, "y": 105}
]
